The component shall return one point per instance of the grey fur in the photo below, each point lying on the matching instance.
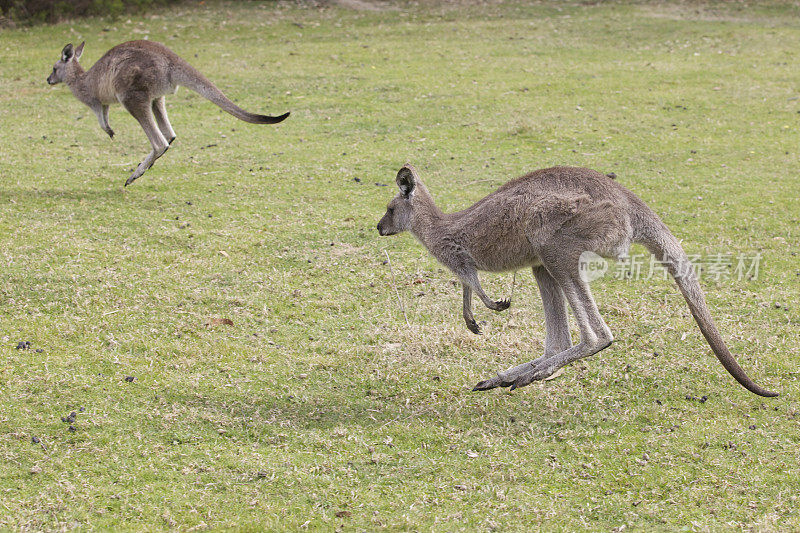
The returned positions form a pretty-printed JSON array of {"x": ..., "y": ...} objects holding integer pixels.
[
  {"x": 545, "y": 220},
  {"x": 138, "y": 74}
]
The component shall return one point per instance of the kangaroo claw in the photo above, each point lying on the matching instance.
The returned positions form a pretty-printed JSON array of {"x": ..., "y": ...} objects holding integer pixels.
[
  {"x": 502, "y": 305},
  {"x": 474, "y": 327}
]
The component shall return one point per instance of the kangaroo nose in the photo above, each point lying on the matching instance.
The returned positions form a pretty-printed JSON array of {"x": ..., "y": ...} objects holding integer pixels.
[{"x": 380, "y": 231}]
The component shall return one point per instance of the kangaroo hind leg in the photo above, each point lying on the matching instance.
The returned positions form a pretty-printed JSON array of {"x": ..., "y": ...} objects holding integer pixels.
[
  {"x": 557, "y": 337},
  {"x": 160, "y": 113},
  {"x": 595, "y": 334},
  {"x": 141, "y": 109}
]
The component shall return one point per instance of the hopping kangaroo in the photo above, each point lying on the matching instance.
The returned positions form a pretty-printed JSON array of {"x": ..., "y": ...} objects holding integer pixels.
[
  {"x": 546, "y": 220},
  {"x": 138, "y": 74}
]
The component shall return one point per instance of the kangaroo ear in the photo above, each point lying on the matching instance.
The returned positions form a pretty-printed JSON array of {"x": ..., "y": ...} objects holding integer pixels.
[
  {"x": 67, "y": 53},
  {"x": 406, "y": 180},
  {"x": 79, "y": 50}
]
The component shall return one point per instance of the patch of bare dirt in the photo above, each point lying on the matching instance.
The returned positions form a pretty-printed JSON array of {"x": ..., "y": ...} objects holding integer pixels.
[{"x": 362, "y": 5}]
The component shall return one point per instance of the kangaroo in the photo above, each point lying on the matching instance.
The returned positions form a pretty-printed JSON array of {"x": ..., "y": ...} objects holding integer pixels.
[
  {"x": 138, "y": 74},
  {"x": 546, "y": 220}
]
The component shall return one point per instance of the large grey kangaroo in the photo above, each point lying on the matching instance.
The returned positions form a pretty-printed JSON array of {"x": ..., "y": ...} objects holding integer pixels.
[
  {"x": 546, "y": 220},
  {"x": 138, "y": 74}
]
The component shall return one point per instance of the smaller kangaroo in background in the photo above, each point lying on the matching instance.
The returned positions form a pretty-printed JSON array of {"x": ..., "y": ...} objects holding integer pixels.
[
  {"x": 138, "y": 74},
  {"x": 548, "y": 220}
]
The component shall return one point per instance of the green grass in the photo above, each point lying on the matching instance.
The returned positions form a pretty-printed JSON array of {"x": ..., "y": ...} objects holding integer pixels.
[{"x": 319, "y": 407}]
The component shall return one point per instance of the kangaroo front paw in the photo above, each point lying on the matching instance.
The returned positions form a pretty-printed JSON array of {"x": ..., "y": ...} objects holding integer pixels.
[
  {"x": 502, "y": 305},
  {"x": 474, "y": 327}
]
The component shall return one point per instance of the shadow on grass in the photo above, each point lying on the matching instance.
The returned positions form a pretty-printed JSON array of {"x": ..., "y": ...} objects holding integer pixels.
[
  {"x": 264, "y": 415},
  {"x": 111, "y": 193}
]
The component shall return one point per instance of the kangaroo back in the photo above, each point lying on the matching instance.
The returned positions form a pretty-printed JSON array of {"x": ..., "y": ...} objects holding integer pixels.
[
  {"x": 188, "y": 76},
  {"x": 657, "y": 238}
]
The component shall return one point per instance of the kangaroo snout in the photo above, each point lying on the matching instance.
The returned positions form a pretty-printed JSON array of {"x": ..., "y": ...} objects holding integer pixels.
[{"x": 385, "y": 228}]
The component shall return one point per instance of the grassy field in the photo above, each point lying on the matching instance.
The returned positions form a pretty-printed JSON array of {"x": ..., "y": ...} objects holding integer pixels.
[{"x": 315, "y": 405}]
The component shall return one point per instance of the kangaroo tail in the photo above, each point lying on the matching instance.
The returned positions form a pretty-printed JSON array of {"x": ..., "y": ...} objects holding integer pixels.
[
  {"x": 657, "y": 238},
  {"x": 191, "y": 78}
]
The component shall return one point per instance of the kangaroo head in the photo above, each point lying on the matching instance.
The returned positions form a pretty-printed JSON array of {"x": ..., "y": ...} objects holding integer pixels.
[
  {"x": 400, "y": 210},
  {"x": 69, "y": 57}
]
